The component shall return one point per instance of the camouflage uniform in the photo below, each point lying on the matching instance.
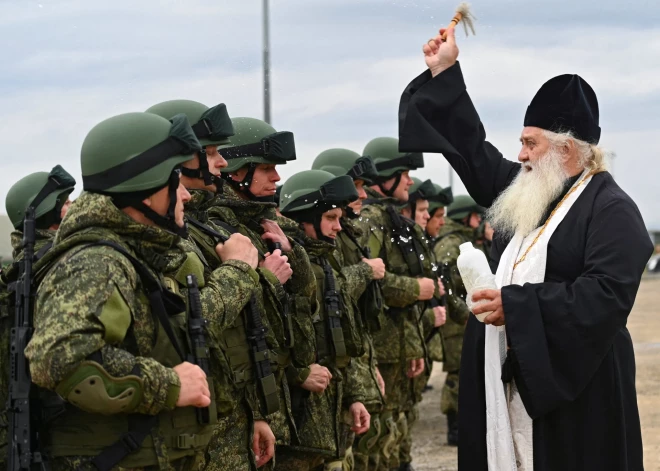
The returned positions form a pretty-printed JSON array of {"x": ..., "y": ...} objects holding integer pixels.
[
  {"x": 43, "y": 240},
  {"x": 446, "y": 251},
  {"x": 323, "y": 420},
  {"x": 400, "y": 339},
  {"x": 365, "y": 367},
  {"x": 282, "y": 304},
  {"x": 231, "y": 446},
  {"x": 92, "y": 305}
]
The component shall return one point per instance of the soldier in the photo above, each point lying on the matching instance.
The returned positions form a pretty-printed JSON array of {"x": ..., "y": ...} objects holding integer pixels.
[
  {"x": 243, "y": 439},
  {"x": 314, "y": 199},
  {"x": 465, "y": 217},
  {"x": 363, "y": 454},
  {"x": 49, "y": 213},
  {"x": 110, "y": 334},
  {"x": 416, "y": 216},
  {"x": 399, "y": 343},
  {"x": 247, "y": 205}
]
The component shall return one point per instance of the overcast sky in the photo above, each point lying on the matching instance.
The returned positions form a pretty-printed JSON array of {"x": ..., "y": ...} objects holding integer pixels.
[{"x": 338, "y": 70}]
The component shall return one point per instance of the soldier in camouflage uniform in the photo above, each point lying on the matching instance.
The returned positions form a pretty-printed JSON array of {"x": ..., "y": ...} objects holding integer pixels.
[
  {"x": 246, "y": 204},
  {"x": 433, "y": 316},
  {"x": 111, "y": 332},
  {"x": 464, "y": 217},
  {"x": 399, "y": 344},
  {"x": 49, "y": 214},
  {"x": 243, "y": 432},
  {"x": 345, "y": 162},
  {"x": 315, "y": 199}
]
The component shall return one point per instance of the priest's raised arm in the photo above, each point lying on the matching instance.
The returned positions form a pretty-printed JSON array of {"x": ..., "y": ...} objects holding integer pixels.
[{"x": 436, "y": 114}]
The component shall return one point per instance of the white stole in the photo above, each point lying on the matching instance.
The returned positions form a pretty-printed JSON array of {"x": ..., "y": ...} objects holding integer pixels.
[{"x": 509, "y": 432}]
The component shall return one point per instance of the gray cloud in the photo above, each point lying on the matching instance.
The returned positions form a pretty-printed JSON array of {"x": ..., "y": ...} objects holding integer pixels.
[{"x": 338, "y": 70}]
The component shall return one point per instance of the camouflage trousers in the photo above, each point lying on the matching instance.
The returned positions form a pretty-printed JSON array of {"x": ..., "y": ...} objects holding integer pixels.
[
  {"x": 231, "y": 446},
  {"x": 364, "y": 453},
  {"x": 449, "y": 399},
  {"x": 82, "y": 463},
  {"x": 394, "y": 423}
]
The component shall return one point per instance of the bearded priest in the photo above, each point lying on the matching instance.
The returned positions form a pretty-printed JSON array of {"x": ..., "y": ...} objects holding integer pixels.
[{"x": 548, "y": 380}]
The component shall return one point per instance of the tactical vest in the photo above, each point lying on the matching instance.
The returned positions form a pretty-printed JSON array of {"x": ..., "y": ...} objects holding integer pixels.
[
  {"x": 338, "y": 335},
  {"x": 371, "y": 304},
  {"x": 237, "y": 342},
  {"x": 74, "y": 432},
  {"x": 404, "y": 237}
]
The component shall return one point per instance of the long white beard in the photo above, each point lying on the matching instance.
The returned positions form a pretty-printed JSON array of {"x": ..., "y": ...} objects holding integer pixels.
[{"x": 520, "y": 207}]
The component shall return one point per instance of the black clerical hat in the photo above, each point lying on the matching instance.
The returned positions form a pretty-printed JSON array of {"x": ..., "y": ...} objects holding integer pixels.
[{"x": 566, "y": 103}]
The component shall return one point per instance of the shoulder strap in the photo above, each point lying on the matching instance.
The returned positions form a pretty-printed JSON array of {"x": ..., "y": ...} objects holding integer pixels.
[
  {"x": 158, "y": 299},
  {"x": 42, "y": 251}
]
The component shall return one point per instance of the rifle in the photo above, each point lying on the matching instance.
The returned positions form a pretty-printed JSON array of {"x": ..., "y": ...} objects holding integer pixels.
[
  {"x": 333, "y": 309},
  {"x": 443, "y": 302},
  {"x": 256, "y": 334},
  {"x": 23, "y": 433},
  {"x": 200, "y": 350}
]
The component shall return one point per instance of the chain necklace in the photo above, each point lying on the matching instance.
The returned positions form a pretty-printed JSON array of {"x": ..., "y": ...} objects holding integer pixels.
[{"x": 547, "y": 221}]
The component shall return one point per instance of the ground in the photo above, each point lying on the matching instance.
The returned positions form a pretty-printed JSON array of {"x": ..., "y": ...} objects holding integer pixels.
[{"x": 430, "y": 450}]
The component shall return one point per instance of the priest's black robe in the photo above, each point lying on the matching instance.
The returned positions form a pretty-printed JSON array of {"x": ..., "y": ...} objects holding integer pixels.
[{"x": 571, "y": 354}]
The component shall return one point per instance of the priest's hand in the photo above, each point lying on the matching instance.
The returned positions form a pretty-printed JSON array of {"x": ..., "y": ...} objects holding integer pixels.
[
  {"x": 441, "y": 55},
  {"x": 493, "y": 298}
]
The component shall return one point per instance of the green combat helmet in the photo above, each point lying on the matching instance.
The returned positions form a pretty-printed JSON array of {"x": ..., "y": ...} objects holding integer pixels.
[
  {"x": 53, "y": 190},
  {"x": 443, "y": 197},
  {"x": 309, "y": 194},
  {"x": 131, "y": 156},
  {"x": 212, "y": 127},
  {"x": 390, "y": 163},
  {"x": 255, "y": 142},
  {"x": 420, "y": 190},
  {"x": 462, "y": 207},
  {"x": 346, "y": 162}
]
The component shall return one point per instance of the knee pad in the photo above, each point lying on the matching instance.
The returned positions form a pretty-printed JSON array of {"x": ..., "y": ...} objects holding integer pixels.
[
  {"x": 370, "y": 438},
  {"x": 389, "y": 434},
  {"x": 402, "y": 427},
  {"x": 336, "y": 465}
]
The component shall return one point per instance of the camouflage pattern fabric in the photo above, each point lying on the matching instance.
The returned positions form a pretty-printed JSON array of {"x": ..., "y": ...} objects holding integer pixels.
[
  {"x": 401, "y": 338},
  {"x": 92, "y": 300},
  {"x": 230, "y": 448},
  {"x": 227, "y": 207},
  {"x": 446, "y": 250},
  {"x": 320, "y": 421}
]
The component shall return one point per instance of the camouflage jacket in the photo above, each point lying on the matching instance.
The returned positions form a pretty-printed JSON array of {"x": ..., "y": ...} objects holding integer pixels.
[
  {"x": 446, "y": 250},
  {"x": 400, "y": 338},
  {"x": 363, "y": 378},
  {"x": 432, "y": 335},
  {"x": 286, "y": 308},
  {"x": 226, "y": 341}
]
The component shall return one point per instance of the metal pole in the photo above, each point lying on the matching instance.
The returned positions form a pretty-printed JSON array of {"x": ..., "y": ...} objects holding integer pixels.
[
  {"x": 451, "y": 177},
  {"x": 266, "y": 45}
]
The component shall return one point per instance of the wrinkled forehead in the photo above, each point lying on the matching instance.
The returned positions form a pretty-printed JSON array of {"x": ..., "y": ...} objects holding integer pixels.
[{"x": 532, "y": 133}]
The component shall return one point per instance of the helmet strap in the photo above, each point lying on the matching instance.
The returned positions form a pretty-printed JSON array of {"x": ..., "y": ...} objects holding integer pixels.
[
  {"x": 243, "y": 186},
  {"x": 167, "y": 222},
  {"x": 316, "y": 221},
  {"x": 202, "y": 172},
  {"x": 390, "y": 192}
]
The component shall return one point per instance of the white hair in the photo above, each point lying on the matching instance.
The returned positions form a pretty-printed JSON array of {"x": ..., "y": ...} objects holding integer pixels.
[
  {"x": 590, "y": 156},
  {"x": 522, "y": 205}
]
